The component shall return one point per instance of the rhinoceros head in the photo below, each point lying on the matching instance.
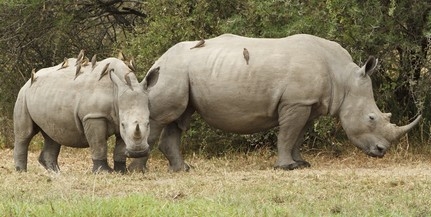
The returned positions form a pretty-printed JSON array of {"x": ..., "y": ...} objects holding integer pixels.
[
  {"x": 366, "y": 126},
  {"x": 133, "y": 112}
]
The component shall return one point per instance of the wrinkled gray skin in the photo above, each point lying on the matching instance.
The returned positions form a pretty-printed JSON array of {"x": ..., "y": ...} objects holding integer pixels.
[
  {"x": 83, "y": 113},
  {"x": 289, "y": 82}
]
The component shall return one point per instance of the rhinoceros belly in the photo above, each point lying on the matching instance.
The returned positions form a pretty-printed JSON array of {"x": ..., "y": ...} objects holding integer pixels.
[
  {"x": 60, "y": 125},
  {"x": 236, "y": 108},
  {"x": 53, "y": 110}
]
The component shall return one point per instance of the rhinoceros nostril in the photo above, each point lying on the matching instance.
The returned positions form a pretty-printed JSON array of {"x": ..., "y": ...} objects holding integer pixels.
[{"x": 381, "y": 149}]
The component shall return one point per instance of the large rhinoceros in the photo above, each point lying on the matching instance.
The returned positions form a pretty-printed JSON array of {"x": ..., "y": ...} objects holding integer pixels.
[
  {"x": 246, "y": 85},
  {"x": 81, "y": 105}
]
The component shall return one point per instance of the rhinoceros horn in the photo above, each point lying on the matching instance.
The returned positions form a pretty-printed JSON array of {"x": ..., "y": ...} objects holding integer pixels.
[
  {"x": 400, "y": 131},
  {"x": 387, "y": 116},
  {"x": 137, "y": 134}
]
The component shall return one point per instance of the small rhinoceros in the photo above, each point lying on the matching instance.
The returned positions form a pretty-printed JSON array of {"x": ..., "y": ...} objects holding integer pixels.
[
  {"x": 286, "y": 82},
  {"x": 81, "y": 106}
]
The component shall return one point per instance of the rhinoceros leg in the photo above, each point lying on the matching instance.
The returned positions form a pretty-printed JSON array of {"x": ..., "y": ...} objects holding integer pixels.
[
  {"x": 24, "y": 130},
  {"x": 96, "y": 133},
  {"x": 169, "y": 145},
  {"x": 292, "y": 122},
  {"x": 20, "y": 152},
  {"x": 119, "y": 155},
  {"x": 296, "y": 154},
  {"x": 170, "y": 140},
  {"x": 48, "y": 157}
]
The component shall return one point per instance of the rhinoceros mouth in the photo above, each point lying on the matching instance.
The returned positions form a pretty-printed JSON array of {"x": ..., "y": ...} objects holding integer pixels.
[
  {"x": 376, "y": 151},
  {"x": 137, "y": 154}
]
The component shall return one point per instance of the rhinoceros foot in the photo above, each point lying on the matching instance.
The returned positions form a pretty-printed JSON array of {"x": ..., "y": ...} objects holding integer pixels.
[
  {"x": 184, "y": 167},
  {"x": 293, "y": 166},
  {"x": 20, "y": 169},
  {"x": 137, "y": 165},
  {"x": 101, "y": 166},
  {"x": 120, "y": 167},
  {"x": 49, "y": 164}
]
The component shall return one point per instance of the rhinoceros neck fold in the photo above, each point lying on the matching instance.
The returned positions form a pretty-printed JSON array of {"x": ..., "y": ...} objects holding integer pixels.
[
  {"x": 115, "y": 114},
  {"x": 338, "y": 93}
]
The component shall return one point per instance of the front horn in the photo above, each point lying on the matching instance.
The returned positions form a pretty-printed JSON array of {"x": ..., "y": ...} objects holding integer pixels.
[
  {"x": 406, "y": 128},
  {"x": 137, "y": 134}
]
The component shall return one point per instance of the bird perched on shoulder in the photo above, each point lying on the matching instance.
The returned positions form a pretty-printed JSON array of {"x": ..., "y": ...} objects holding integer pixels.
[
  {"x": 201, "y": 43},
  {"x": 80, "y": 57},
  {"x": 85, "y": 61},
  {"x": 131, "y": 64},
  {"x": 93, "y": 61},
  {"x": 127, "y": 78},
  {"x": 104, "y": 71},
  {"x": 65, "y": 64},
  {"x": 78, "y": 71},
  {"x": 246, "y": 55},
  {"x": 33, "y": 76},
  {"x": 121, "y": 56}
]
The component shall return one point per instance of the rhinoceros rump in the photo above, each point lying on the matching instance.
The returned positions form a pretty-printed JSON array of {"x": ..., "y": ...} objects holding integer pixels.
[
  {"x": 288, "y": 82},
  {"x": 83, "y": 112}
]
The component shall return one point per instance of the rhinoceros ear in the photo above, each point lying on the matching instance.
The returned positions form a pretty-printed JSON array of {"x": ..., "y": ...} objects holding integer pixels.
[
  {"x": 369, "y": 66},
  {"x": 151, "y": 78},
  {"x": 117, "y": 81}
]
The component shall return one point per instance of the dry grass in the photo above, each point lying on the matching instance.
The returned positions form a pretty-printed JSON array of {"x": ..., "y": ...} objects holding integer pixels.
[{"x": 238, "y": 185}]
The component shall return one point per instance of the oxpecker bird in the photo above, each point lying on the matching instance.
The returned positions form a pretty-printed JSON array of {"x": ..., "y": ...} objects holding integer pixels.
[
  {"x": 121, "y": 56},
  {"x": 85, "y": 61},
  {"x": 33, "y": 76},
  {"x": 128, "y": 81},
  {"x": 246, "y": 55},
  {"x": 80, "y": 57},
  {"x": 65, "y": 64},
  {"x": 78, "y": 71},
  {"x": 201, "y": 43},
  {"x": 131, "y": 64},
  {"x": 104, "y": 71},
  {"x": 93, "y": 62}
]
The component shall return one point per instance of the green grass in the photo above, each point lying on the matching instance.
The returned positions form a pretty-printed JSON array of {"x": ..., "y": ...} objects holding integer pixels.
[{"x": 237, "y": 185}]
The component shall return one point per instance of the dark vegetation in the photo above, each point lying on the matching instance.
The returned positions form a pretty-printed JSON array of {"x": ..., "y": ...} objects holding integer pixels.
[{"x": 40, "y": 33}]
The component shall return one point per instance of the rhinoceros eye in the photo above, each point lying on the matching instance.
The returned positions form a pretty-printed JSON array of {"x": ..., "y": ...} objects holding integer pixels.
[{"x": 372, "y": 116}]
